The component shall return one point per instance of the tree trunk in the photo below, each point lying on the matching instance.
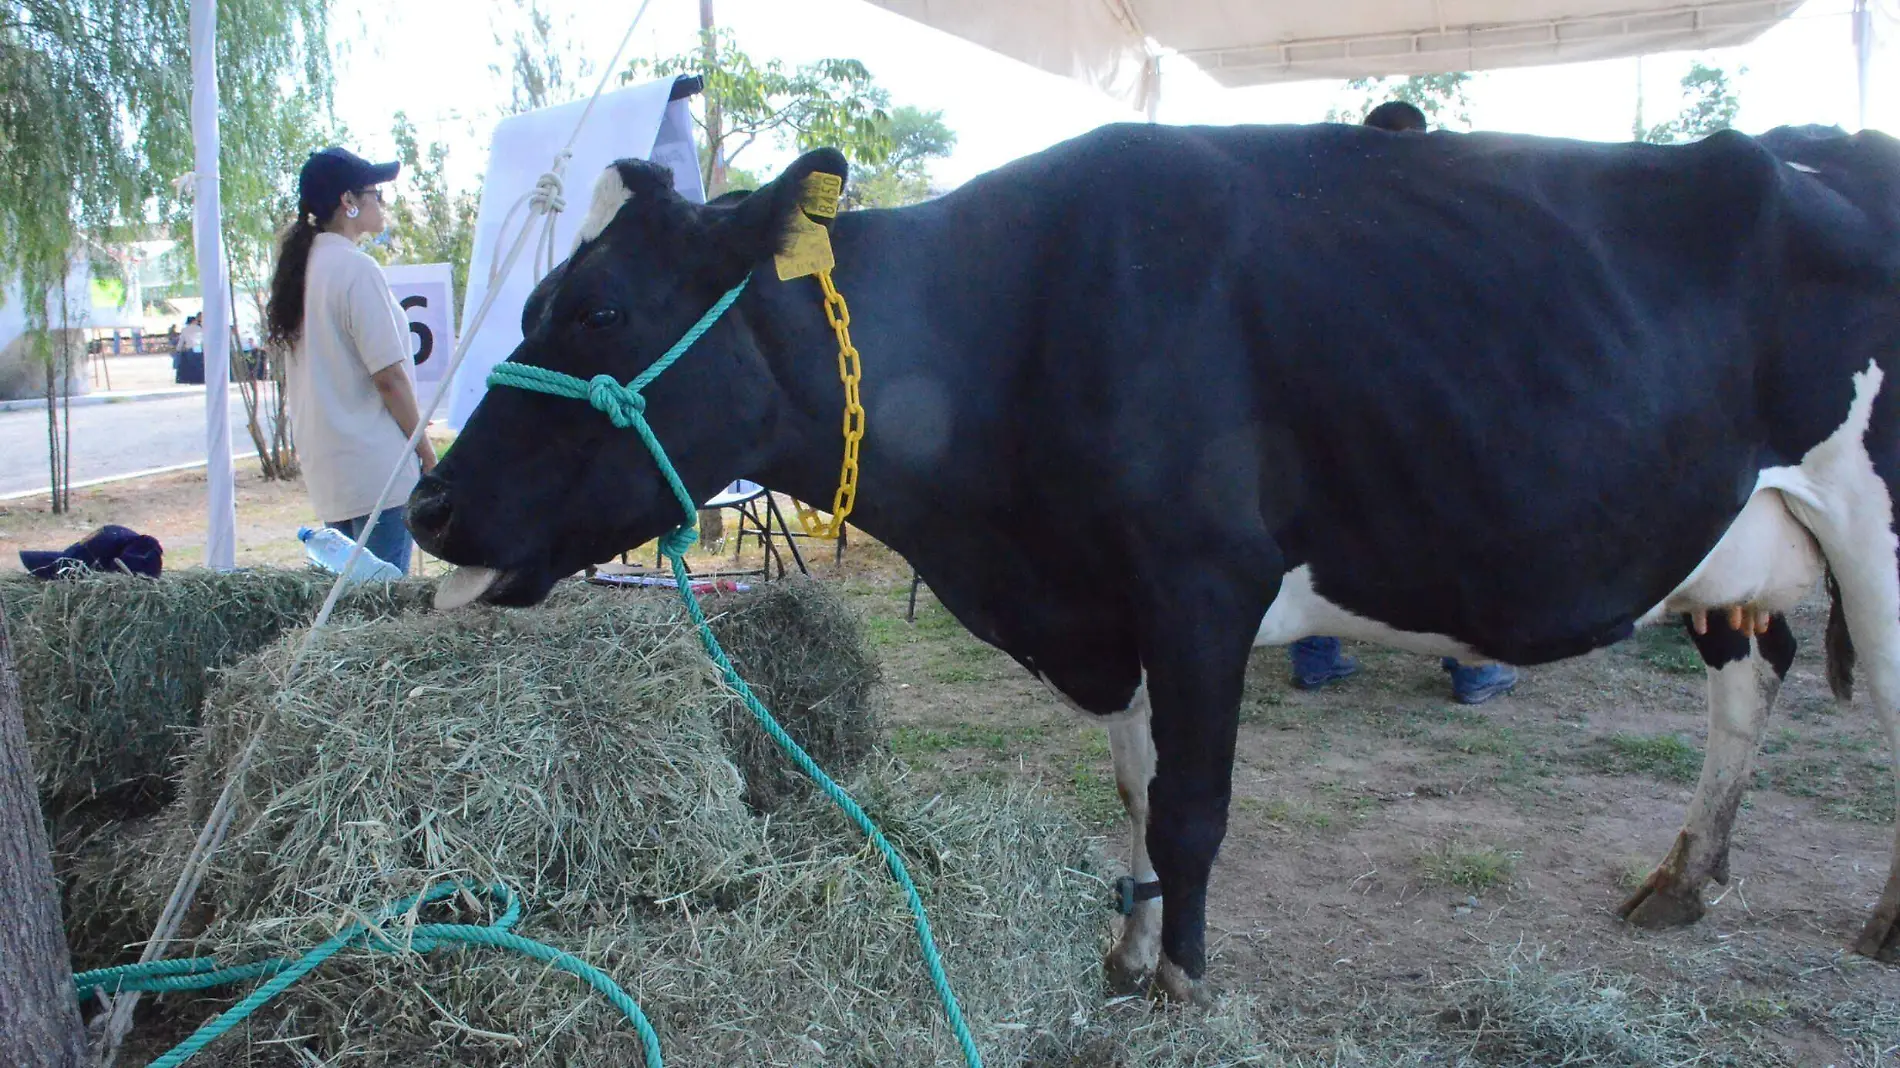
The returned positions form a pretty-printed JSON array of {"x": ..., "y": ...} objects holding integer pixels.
[
  {"x": 715, "y": 134},
  {"x": 39, "y": 1017},
  {"x": 712, "y": 522}
]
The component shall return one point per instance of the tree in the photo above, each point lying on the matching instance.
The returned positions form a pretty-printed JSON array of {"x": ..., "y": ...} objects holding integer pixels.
[
  {"x": 95, "y": 117},
  {"x": 36, "y": 980},
  {"x": 1709, "y": 104},
  {"x": 916, "y": 137},
  {"x": 1442, "y": 97},
  {"x": 830, "y": 102},
  {"x": 546, "y": 65},
  {"x": 258, "y": 201},
  {"x": 428, "y": 222}
]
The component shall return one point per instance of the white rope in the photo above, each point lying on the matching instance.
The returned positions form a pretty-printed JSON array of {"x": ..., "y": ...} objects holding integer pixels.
[{"x": 546, "y": 200}]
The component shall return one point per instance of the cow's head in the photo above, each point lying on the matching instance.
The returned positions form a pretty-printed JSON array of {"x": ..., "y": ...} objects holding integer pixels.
[{"x": 537, "y": 487}]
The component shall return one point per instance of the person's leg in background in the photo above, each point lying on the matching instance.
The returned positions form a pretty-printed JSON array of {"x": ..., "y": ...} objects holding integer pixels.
[
  {"x": 1476, "y": 684},
  {"x": 1316, "y": 662}
]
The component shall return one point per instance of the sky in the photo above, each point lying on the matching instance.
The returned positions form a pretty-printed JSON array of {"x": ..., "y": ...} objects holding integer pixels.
[{"x": 431, "y": 59}]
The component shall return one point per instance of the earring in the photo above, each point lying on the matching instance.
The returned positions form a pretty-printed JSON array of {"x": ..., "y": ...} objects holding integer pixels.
[{"x": 352, "y": 212}]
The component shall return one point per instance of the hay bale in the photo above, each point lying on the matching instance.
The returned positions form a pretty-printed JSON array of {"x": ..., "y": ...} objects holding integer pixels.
[
  {"x": 104, "y": 895},
  {"x": 802, "y": 651},
  {"x": 113, "y": 669},
  {"x": 582, "y": 754}
]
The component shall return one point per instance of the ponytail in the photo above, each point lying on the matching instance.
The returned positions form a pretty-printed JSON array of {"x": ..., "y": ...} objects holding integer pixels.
[{"x": 283, "y": 315}]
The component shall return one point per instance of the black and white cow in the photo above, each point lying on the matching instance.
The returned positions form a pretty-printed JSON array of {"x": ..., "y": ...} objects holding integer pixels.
[{"x": 1155, "y": 395}]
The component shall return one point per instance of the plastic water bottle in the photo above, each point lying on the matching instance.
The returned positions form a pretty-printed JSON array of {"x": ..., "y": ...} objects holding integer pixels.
[{"x": 329, "y": 549}]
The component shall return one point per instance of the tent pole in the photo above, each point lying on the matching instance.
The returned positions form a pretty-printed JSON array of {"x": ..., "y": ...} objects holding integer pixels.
[
  {"x": 207, "y": 235},
  {"x": 1863, "y": 54},
  {"x": 1154, "y": 88}
]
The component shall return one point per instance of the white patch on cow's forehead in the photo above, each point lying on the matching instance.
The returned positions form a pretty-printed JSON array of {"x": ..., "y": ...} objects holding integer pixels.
[{"x": 609, "y": 194}]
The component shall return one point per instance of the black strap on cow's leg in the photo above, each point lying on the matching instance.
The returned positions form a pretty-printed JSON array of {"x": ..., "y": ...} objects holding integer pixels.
[{"x": 1129, "y": 893}]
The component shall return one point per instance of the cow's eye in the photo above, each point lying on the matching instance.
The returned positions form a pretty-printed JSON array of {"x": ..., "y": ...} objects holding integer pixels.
[{"x": 600, "y": 318}]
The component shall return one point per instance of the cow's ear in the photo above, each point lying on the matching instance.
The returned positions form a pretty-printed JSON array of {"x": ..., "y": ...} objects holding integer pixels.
[{"x": 750, "y": 231}]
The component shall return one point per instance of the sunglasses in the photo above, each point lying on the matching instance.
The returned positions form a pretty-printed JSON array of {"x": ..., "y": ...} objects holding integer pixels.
[{"x": 375, "y": 193}]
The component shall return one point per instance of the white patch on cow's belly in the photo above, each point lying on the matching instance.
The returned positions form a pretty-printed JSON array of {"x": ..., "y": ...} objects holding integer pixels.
[
  {"x": 609, "y": 194},
  {"x": 1300, "y": 612},
  {"x": 1137, "y": 703}
]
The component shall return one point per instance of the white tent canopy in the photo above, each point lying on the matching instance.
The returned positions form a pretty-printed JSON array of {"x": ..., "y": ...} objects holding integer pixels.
[{"x": 1111, "y": 44}]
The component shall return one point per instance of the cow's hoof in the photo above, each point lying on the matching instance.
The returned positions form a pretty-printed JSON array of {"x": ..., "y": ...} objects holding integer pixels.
[
  {"x": 1122, "y": 977},
  {"x": 1880, "y": 939},
  {"x": 1664, "y": 900},
  {"x": 1173, "y": 984}
]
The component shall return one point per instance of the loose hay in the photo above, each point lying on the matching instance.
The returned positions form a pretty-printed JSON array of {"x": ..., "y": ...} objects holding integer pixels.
[
  {"x": 113, "y": 669},
  {"x": 583, "y": 755}
]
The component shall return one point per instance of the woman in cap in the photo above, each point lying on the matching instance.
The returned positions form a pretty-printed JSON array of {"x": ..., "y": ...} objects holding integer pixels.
[{"x": 349, "y": 375}]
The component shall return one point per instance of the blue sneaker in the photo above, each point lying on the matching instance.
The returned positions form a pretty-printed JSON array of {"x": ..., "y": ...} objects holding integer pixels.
[
  {"x": 1476, "y": 685},
  {"x": 1316, "y": 662}
]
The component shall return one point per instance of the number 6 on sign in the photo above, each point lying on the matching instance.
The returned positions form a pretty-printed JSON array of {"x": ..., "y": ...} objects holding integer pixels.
[
  {"x": 425, "y": 338},
  {"x": 425, "y": 294}
]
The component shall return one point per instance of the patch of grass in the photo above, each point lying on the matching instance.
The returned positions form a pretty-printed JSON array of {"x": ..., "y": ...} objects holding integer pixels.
[
  {"x": 1093, "y": 745},
  {"x": 1293, "y": 813},
  {"x": 1520, "y": 1013},
  {"x": 998, "y": 741},
  {"x": 1094, "y": 795},
  {"x": 1486, "y": 740},
  {"x": 1860, "y": 790},
  {"x": 884, "y": 631},
  {"x": 1665, "y": 647},
  {"x": 1780, "y": 741},
  {"x": 1669, "y": 757},
  {"x": 1469, "y": 866},
  {"x": 955, "y": 673},
  {"x": 1262, "y": 708}
]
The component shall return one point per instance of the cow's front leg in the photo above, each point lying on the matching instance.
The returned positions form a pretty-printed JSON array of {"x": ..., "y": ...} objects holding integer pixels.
[
  {"x": 1194, "y": 649},
  {"x": 1129, "y": 965}
]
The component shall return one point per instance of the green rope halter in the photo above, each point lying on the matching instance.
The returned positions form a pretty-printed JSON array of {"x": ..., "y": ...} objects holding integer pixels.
[{"x": 627, "y": 408}]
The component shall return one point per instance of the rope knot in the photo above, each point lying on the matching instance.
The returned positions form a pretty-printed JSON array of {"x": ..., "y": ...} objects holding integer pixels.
[
  {"x": 622, "y": 405},
  {"x": 679, "y": 540},
  {"x": 548, "y": 195}
]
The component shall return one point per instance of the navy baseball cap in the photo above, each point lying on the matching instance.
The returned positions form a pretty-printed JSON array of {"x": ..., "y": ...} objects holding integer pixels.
[
  {"x": 110, "y": 548},
  {"x": 331, "y": 172}
]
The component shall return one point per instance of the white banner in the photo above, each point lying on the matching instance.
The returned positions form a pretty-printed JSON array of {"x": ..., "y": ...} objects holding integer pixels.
[
  {"x": 626, "y": 124},
  {"x": 425, "y": 293}
]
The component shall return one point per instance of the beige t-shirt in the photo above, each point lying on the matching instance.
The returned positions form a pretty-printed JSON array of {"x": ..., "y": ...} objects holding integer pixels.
[{"x": 352, "y": 328}]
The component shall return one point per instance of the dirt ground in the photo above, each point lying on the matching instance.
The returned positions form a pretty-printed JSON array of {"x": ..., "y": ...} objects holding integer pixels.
[{"x": 1399, "y": 866}]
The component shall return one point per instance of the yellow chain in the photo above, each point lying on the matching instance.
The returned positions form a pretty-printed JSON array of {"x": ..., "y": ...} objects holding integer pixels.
[{"x": 850, "y": 372}]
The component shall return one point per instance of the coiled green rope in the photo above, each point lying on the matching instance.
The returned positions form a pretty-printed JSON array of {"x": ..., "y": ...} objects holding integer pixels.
[{"x": 199, "y": 973}]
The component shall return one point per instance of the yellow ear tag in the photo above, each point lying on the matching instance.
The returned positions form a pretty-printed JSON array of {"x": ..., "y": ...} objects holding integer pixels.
[
  {"x": 819, "y": 194},
  {"x": 807, "y": 250}
]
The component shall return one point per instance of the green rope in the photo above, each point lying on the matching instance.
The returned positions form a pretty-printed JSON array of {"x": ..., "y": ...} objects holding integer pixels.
[
  {"x": 627, "y": 408},
  {"x": 199, "y": 973}
]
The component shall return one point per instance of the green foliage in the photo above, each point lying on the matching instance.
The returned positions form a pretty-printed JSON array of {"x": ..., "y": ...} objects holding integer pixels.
[
  {"x": 1442, "y": 97},
  {"x": 830, "y": 102},
  {"x": 259, "y": 197},
  {"x": 95, "y": 129},
  {"x": 916, "y": 137},
  {"x": 546, "y": 63},
  {"x": 1710, "y": 103},
  {"x": 95, "y": 117},
  {"x": 429, "y": 222},
  {"x": 1669, "y": 757}
]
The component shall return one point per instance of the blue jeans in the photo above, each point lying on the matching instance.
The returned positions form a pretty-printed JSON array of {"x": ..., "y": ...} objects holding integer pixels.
[{"x": 389, "y": 541}]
